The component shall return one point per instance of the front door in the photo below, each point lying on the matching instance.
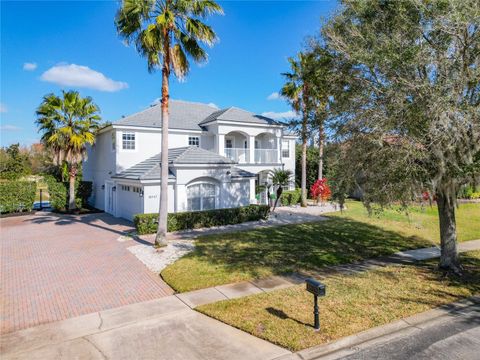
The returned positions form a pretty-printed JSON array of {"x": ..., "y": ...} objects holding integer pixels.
[{"x": 110, "y": 198}]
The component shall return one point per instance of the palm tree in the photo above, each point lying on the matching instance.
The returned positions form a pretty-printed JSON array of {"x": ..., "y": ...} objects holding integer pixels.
[
  {"x": 68, "y": 124},
  {"x": 280, "y": 178},
  {"x": 297, "y": 91},
  {"x": 166, "y": 32}
]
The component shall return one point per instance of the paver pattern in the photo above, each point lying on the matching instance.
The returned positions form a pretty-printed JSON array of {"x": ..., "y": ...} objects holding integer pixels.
[{"x": 54, "y": 267}]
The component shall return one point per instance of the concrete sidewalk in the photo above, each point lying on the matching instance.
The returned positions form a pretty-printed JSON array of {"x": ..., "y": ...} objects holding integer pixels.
[
  {"x": 160, "y": 329},
  {"x": 246, "y": 288}
]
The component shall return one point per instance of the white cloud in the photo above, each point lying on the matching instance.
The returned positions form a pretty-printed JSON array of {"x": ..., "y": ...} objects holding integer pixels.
[
  {"x": 3, "y": 108},
  {"x": 81, "y": 76},
  {"x": 8, "y": 127},
  {"x": 274, "y": 96},
  {"x": 213, "y": 105},
  {"x": 29, "y": 66},
  {"x": 280, "y": 115}
]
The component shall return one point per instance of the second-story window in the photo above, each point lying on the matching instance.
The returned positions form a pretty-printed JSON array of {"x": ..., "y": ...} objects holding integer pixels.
[
  {"x": 128, "y": 141},
  {"x": 193, "y": 141},
  {"x": 285, "y": 148}
]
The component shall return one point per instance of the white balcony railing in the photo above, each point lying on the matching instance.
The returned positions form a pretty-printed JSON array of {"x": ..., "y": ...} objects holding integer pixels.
[
  {"x": 264, "y": 156},
  {"x": 239, "y": 155}
]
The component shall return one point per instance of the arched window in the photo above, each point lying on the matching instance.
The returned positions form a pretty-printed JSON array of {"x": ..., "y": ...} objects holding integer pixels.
[{"x": 201, "y": 196}]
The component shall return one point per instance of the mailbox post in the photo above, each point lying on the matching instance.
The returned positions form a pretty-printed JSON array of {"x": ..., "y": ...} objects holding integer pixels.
[{"x": 317, "y": 289}]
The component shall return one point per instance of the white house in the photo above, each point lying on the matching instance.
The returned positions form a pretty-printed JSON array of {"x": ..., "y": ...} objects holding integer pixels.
[{"x": 217, "y": 157}]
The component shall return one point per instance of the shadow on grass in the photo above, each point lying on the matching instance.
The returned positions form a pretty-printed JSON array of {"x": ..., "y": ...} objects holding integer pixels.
[
  {"x": 282, "y": 315},
  {"x": 309, "y": 246}
]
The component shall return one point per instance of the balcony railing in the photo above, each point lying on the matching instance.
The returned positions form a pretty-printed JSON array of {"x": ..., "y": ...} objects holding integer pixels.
[
  {"x": 263, "y": 156},
  {"x": 239, "y": 155}
]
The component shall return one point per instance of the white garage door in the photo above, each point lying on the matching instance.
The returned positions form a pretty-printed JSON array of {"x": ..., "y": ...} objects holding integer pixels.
[{"x": 129, "y": 201}]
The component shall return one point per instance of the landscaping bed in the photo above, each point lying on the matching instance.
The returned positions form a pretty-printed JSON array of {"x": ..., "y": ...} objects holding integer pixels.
[
  {"x": 353, "y": 303},
  {"x": 343, "y": 238}
]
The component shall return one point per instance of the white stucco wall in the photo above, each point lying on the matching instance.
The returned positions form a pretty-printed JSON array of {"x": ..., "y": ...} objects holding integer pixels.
[
  {"x": 98, "y": 167},
  {"x": 151, "y": 198}
]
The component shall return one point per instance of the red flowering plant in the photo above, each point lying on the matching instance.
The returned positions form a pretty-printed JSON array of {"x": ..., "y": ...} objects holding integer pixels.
[{"x": 320, "y": 190}]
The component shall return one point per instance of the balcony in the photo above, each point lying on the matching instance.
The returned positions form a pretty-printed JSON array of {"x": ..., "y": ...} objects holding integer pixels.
[
  {"x": 261, "y": 156},
  {"x": 239, "y": 155},
  {"x": 266, "y": 156}
]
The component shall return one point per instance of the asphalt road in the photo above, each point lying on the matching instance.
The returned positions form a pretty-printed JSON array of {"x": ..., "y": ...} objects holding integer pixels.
[{"x": 456, "y": 336}]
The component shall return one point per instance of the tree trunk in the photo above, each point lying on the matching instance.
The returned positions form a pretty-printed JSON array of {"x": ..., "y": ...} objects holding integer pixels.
[
  {"x": 304, "y": 172},
  {"x": 161, "y": 237},
  {"x": 72, "y": 174},
  {"x": 279, "y": 193},
  {"x": 448, "y": 231},
  {"x": 320, "y": 151}
]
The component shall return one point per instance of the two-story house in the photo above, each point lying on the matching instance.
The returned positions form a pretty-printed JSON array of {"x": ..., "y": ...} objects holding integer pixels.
[{"x": 217, "y": 158}]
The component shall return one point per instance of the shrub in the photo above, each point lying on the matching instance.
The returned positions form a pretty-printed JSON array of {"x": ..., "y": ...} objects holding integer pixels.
[
  {"x": 58, "y": 192},
  {"x": 147, "y": 223},
  {"x": 475, "y": 195},
  {"x": 320, "y": 190},
  {"x": 291, "y": 197},
  {"x": 17, "y": 196}
]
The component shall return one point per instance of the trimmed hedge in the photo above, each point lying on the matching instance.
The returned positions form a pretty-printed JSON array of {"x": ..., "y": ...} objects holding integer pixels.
[
  {"x": 147, "y": 223},
  {"x": 58, "y": 192},
  {"x": 291, "y": 197},
  {"x": 17, "y": 196}
]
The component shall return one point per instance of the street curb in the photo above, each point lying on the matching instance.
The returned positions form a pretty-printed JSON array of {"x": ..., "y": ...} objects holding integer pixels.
[{"x": 413, "y": 322}]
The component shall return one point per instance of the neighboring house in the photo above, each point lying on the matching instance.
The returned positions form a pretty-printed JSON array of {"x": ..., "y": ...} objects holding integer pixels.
[{"x": 217, "y": 158}]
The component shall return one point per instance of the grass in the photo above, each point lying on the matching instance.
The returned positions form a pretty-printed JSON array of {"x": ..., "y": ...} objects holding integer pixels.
[
  {"x": 343, "y": 238},
  {"x": 420, "y": 221},
  {"x": 353, "y": 303}
]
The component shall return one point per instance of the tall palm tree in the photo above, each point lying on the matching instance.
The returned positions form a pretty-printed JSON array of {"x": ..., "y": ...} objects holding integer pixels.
[
  {"x": 280, "y": 178},
  {"x": 166, "y": 33},
  {"x": 297, "y": 91},
  {"x": 68, "y": 123}
]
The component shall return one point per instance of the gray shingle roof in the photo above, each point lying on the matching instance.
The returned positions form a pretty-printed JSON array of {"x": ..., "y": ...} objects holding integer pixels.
[
  {"x": 191, "y": 116},
  {"x": 239, "y": 173},
  {"x": 150, "y": 169},
  {"x": 236, "y": 114},
  {"x": 183, "y": 115}
]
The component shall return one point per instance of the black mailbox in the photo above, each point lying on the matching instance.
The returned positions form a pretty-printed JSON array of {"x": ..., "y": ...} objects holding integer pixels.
[{"x": 315, "y": 287}]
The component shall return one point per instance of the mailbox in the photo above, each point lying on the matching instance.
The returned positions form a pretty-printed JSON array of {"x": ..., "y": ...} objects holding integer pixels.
[{"x": 315, "y": 287}]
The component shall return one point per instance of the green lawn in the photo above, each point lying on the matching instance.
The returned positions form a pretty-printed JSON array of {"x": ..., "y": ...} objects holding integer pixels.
[
  {"x": 343, "y": 238},
  {"x": 422, "y": 222},
  {"x": 353, "y": 303}
]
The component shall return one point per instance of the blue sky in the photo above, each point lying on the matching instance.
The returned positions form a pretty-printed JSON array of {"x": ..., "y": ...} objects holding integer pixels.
[{"x": 45, "y": 45}]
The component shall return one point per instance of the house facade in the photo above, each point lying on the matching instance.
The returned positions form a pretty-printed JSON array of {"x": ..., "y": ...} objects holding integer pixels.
[{"x": 217, "y": 159}]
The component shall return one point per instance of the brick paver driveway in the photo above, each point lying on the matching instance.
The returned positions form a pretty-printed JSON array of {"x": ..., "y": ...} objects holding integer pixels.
[{"x": 56, "y": 266}]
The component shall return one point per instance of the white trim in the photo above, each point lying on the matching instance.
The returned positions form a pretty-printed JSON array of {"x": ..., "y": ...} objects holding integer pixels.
[
  {"x": 205, "y": 166},
  {"x": 230, "y": 122}
]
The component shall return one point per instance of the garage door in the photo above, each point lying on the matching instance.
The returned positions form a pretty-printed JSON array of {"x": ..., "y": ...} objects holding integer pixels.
[{"x": 129, "y": 201}]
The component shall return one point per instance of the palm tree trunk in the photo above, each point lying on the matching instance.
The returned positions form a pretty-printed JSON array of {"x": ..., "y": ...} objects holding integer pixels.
[
  {"x": 279, "y": 193},
  {"x": 320, "y": 151},
  {"x": 72, "y": 174},
  {"x": 448, "y": 231},
  {"x": 161, "y": 237},
  {"x": 304, "y": 172}
]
